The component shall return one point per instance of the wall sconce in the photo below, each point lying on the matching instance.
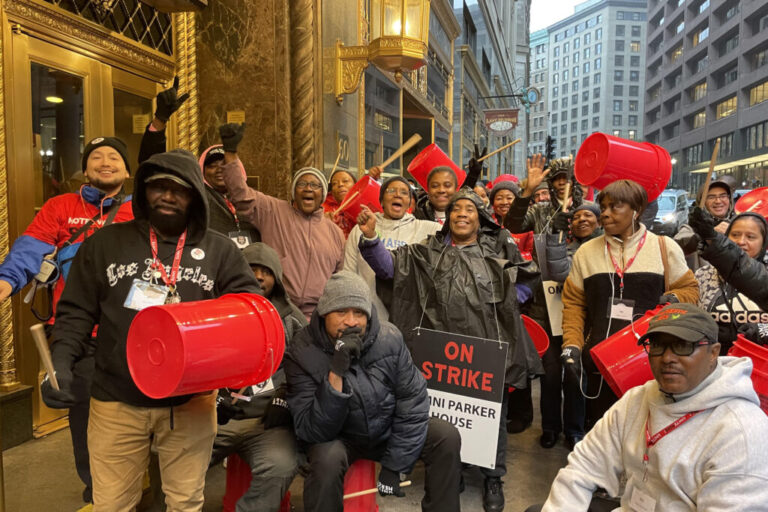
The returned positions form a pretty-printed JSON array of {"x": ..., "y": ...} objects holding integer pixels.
[{"x": 399, "y": 42}]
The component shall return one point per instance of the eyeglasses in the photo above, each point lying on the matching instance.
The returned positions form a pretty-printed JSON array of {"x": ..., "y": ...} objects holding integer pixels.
[
  {"x": 721, "y": 197},
  {"x": 680, "y": 347},
  {"x": 312, "y": 185},
  {"x": 397, "y": 192}
]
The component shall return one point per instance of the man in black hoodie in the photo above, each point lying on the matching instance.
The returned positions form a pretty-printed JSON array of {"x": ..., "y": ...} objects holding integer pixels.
[
  {"x": 167, "y": 251},
  {"x": 261, "y": 432}
]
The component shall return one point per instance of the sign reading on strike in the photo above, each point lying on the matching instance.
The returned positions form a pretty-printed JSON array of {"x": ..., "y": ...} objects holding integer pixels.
[
  {"x": 465, "y": 378},
  {"x": 553, "y": 295}
]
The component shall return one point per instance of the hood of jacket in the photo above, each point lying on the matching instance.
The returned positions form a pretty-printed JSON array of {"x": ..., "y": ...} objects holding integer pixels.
[
  {"x": 760, "y": 220},
  {"x": 720, "y": 184},
  {"x": 730, "y": 380},
  {"x": 488, "y": 226},
  {"x": 260, "y": 253},
  {"x": 183, "y": 164},
  {"x": 201, "y": 163}
]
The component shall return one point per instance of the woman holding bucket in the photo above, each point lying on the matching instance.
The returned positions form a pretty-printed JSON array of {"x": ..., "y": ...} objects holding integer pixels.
[
  {"x": 614, "y": 278},
  {"x": 733, "y": 311}
]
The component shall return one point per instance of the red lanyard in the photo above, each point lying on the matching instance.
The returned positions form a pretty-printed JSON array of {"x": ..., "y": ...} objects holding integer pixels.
[
  {"x": 157, "y": 265},
  {"x": 621, "y": 271},
  {"x": 233, "y": 211},
  {"x": 651, "y": 440}
]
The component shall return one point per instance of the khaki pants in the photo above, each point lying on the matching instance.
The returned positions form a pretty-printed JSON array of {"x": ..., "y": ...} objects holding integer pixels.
[{"x": 119, "y": 438}]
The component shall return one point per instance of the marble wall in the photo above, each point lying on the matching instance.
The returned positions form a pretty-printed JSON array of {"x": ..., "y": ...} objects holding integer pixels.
[{"x": 243, "y": 65}]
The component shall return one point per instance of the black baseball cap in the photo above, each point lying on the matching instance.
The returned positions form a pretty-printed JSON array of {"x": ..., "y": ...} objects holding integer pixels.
[{"x": 685, "y": 321}]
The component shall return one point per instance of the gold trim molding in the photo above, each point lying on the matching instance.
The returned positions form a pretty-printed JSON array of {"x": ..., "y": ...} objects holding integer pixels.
[
  {"x": 8, "y": 377},
  {"x": 188, "y": 124},
  {"x": 86, "y": 37},
  {"x": 304, "y": 15}
]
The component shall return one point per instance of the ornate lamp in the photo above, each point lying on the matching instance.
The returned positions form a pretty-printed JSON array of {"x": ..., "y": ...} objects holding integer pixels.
[{"x": 399, "y": 41}]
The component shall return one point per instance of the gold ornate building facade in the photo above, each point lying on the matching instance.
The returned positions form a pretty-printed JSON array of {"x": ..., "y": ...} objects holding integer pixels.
[{"x": 71, "y": 70}]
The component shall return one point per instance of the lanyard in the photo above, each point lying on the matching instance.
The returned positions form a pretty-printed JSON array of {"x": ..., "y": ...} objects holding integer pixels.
[
  {"x": 233, "y": 211},
  {"x": 621, "y": 271},
  {"x": 651, "y": 440},
  {"x": 159, "y": 267}
]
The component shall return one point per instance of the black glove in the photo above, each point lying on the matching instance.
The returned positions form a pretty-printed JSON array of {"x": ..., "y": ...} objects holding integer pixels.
[
  {"x": 475, "y": 167},
  {"x": 277, "y": 414},
  {"x": 348, "y": 346},
  {"x": 169, "y": 101},
  {"x": 702, "y": 223},
  {"x": 571, "y": 360},
  {"x": 226, "y": 410},
  {"x": 231, "y": 134},
  {"x": 61, "y": 398},
  {"x": 751, "y": 332},
  {"x": 561, "y": 222},
  {"x": 668, "y": 298},
  {"x": 389, "y": 483}
]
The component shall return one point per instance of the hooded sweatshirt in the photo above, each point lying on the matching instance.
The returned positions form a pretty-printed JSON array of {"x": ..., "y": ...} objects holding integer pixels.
[
  {"x": 730, "y": 308},
  {"x": 109, "y": 261},
  {"x": 714, "y": 462},
  {"x": 393, "y": 234},
  {"x": 311, "y": 247},
  {"x": 222, "y": 214}
]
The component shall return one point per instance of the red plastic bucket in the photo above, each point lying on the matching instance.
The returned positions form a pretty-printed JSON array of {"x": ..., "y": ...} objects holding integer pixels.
[
  {"x": 176, "y": 349},
  {"x": 537, "y": 334},
  {"x": 429, "y": 158},
  {"x": 367, "y": 190},
  {"x": 360, "y": 476},
  {"x": 603, "y": 159},
  {"x": 621, "y": 361},
  {"x": 756, "y": 199},
  {"x": 742, "y": 347}
]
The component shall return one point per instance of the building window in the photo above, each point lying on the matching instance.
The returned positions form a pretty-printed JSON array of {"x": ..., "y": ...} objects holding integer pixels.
[
  {"x": 565, "y": 75},
  {"x": 620, "y": 30},
  {"x": 699, "y": 119},
  {"x": 726, "y": 145},
  {"x": 632, "y": 120},
  {"x": 585, "y": 96},
  {"x": 557, "y": 51},
  {"x": 598, "y": 34},
  {"x": 598, "y": 63},
  {"x": 554, "y": 117},
  {"x": 634, "y": 46},
  {"x": 595, "y": 108},
  {"x": 694, "y": 154},
  {"x": 730, "y": 45},
  {"x": 585, "y": 110},
  {"x": 574, "y": 113},
  {"x": 564, "y": 115},
  {"x": 556, "y": 65},
  {"x": 565, "y": 88},
  {"x": 565, "y": 102},
  {"x": 680, "y": 27},
  {"x": 618, "y": 75},
  {"x": 703, "y": 6},
  {"x": 585, "y": 81},
  {"x": 584, "y": 124},
  {"x": 554, "y": 131},
  {"x": 759, "y": 59},
  {"x": 757, "y": 136},
  {"x": 598, "y": 48},
  {"x": 576, "y": 43},
  {"x": 676, "y": 53},
  {"x": 617, "y": 133},
  {"x": 574, "y": 126},
  {"x": 587, "y": 39},
  {"x": 566, "y": 47},
  {"x": 586, "y": 53},
  {"x": 700, "y": 36},
  {"x": 699, "y": 91},
  {"x": 758, "y": 93},
  {"x": 632, "y": 135},
  {"x": 726, "y": 108},
  {"x": 554, "y": 105},
  {"x": 554, "y": 92},
  {"x": 619, "y": 45},
  {"x": 618, "y": 105},
  {"x": 618, "y": 90},
  {"x": 566, "y": 61},
  {"x": 634, "y": 76},
  {"x": 616, "y": 120},
  {"x": 596, "y": 92},
  {"x": 635, "y": 30},
  {"x": 596, "y": 79},
  {"x": 575, "y": 71},
  {"x": 634, "y": 90},
  {"x": 595, "y": 122},
  {"x": 633, "y": 105},
  {"x": 730, "y": 76},
  {"x": 618, "y": 60},
  {"x": 634, "y": 61},
  {"x": 576, "y": 57}
]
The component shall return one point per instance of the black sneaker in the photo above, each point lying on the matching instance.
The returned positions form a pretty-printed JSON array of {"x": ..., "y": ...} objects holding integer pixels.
[{"x": 493, "y": 495}]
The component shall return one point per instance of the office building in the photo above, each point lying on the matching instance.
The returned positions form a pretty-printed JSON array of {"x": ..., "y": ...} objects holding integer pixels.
[{"x": 539, "y": 79}]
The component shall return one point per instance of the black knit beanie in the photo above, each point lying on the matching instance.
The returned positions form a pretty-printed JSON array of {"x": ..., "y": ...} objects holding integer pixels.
[{"x": 113, "y": 142}]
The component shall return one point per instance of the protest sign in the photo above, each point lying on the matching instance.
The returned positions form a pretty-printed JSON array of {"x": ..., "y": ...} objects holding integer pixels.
[
  {"x": 553, "y": 294},
  {"x": 465, "y": 378}
]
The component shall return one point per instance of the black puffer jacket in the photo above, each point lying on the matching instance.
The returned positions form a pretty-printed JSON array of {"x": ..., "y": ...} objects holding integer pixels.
[{"x": 383, "y": 400}]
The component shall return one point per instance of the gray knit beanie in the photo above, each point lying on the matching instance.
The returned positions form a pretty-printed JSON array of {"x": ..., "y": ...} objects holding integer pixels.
[
  {"x": 344, "y": 290},
  {"x": 314, "y": 172}
]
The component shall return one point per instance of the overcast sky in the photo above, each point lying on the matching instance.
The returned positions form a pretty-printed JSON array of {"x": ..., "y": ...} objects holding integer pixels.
[{"x": 547, "y": 12}]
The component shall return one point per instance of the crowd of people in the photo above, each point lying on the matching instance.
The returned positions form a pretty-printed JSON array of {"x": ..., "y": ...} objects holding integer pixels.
[{"x": 463, "y": 257}]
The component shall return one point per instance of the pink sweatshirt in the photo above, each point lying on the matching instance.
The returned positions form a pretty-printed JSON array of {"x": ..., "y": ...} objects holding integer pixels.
[{"x": 311, "y": 248}]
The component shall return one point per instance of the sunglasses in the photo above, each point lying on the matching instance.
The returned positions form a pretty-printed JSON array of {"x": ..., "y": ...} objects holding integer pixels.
[{"x": 680, "y": 347}]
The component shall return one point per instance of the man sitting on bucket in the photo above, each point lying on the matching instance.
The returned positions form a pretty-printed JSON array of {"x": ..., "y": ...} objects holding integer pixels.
[
  {"x": 692, "y": 439},
  {"x": 355, "y": 393}
]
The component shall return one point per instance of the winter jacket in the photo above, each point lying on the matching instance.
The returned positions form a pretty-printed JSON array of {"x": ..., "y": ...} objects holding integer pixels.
[
  {"x": 425, "y": 211},
  {"x": 714, "y": 462},
  {"x": 383, "y": 399},
  {"x": 593, "y": 283},
  {"x": 344, "y": 220},
  {"x": 393, "y": 234},
  {"x": 465, "y": 290},
  {"x": 745, "y": 274},
  {"x": 560, "y": 253},
  {"x": 109, "y": 261},
  {"x": 524, "y": 216},
  {"x": 729, "y": 306},
  {"x": 311, "y": 247},
  {"x": 53, "y": 226},
  {"x": 223, "y": 216}
]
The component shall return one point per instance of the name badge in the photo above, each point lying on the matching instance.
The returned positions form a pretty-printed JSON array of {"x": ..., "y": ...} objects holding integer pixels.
[
  {"x": 143, "y": 295},
  {"x": 641, "y": 502},
  {"x": 621, "y": 309},
  {"x": 242, "y": 239}
]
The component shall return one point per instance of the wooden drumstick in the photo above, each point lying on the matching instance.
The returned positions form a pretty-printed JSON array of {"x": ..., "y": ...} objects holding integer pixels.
[
  {"x": 565, "y": 204},
  {"x": 502, "y": 148},
  {"x": 371, "y": 491},
  {"x": 346, "y": 203},
  {"x": 415, "y": 138},
  {"x": 712, "y": 161},
  {"x": 41, "y": 342}
]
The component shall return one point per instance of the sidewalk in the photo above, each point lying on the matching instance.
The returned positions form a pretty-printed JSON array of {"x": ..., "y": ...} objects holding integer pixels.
[{"x": 40, "y": 477}]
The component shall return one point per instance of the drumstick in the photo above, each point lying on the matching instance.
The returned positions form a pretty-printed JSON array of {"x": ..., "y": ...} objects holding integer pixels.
[
  {"x": 565, "y": 203},
  {"x": 236, "y": 398},
  {"x": 405, "y": 147},
  {"x": 371, "y": 491},
  {"x": 502, "y": 148},
  {"x": 333, "y": 169},
  {"x": 757, "y": 203},
  {"x": 41, "y": 342},
  {"x": 705, "y": 190},
  {"x": 346, "y": 203}
]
